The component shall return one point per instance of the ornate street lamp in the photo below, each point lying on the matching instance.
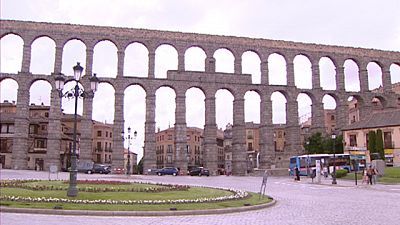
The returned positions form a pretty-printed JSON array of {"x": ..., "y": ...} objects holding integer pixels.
[
  {"x": 76, "y": 93},
  {"x": 334, "y": 159},
  {"x": 129, "y": 138}
]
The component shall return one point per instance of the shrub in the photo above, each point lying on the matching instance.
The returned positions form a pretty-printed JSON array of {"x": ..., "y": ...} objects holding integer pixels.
[{"x": 341, "y": 173}]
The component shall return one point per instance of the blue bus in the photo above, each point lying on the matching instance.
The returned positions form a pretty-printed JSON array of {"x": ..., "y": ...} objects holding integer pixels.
[{"x": 306, "y": 163}]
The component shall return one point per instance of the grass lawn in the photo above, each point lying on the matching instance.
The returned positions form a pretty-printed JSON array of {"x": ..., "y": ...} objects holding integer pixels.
[{"x": 190, "y": 193}]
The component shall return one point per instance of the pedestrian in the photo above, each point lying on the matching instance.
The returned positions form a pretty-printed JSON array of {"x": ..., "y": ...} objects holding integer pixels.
[
  {"x": 365, "y": 177},
  {"x": 325, "y": 171},
  {"x": 297, "y": 172},
  {"x": 374, "y": 174},
  {"x": 370, "y": 172}
]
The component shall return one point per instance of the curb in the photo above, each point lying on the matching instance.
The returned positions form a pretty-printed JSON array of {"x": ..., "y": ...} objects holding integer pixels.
[{"x": 135, "y": 213}]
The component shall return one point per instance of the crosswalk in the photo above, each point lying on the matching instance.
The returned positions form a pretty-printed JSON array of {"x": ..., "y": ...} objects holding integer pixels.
[{"x": 313, "y": 186}]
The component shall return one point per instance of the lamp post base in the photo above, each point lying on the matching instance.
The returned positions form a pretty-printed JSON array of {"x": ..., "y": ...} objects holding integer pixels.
[{"x": 72, "y": 189}]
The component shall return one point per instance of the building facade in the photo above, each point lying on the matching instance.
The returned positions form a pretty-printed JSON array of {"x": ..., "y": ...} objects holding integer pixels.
[
  {"x": 388, "y": 121},
  {"x": 38, "y": 135}
]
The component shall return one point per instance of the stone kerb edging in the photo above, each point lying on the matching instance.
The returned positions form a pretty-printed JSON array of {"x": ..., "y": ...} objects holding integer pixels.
[{"x": 136, "y": 213}]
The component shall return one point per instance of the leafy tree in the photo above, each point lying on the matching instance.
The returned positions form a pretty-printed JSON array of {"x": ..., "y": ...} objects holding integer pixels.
[
  {"x": 318, "y": 144},
  {"x": 314, "y": 144},
  {"x": 372, "y": 141},
  {"x": 140, "y": 166},
  {"x": 379, "y": 144}
]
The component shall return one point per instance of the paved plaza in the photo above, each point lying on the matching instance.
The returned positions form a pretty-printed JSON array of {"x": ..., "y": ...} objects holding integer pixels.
[{"x": 298, "y": 203}]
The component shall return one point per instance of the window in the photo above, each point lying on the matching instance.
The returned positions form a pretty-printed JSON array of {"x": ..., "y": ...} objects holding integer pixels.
[
  {"x": 250, "y": 147},
  {"x": 387, "y": 140},
  {"x": 33, "y": 129},
  {"x": 46, "y": 114},
  {"x": 169, "y": 137},
  {"x": 353, "y": 140},
  {"x": 99, "y": 133},
  {"x": 332, "y": 117},
  {"x": 98, "y": 146},
  {"x": 110, "y": 134},
  {"x": 40, "y": 143},
  {"x": 106, "y": 133},
  {"x": 169, "y": 149}
]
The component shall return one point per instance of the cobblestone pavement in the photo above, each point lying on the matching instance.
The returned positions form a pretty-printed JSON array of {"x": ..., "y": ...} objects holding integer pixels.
[{"x": 298, "y": 203}]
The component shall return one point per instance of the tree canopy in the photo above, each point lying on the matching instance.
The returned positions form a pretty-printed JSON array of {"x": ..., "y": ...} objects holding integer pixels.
[{"x": 319, "y": 144}]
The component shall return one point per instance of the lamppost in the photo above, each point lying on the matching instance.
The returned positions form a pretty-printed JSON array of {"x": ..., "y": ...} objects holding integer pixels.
[
  {"x": 308, "y": 158},
  {"x": 76, "y": 93},
  {"x": 129, "y": 138},
  {"x": 334, "y": 159}
]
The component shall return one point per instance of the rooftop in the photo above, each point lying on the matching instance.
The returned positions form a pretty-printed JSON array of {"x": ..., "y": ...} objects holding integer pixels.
[{"x": 386, "y": 118}]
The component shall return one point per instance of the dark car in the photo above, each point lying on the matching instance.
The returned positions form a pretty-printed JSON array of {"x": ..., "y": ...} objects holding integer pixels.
[
  {"x": 168, "y": 171},
  {"x": 199, "y": 171},
  {"x": 102, "y": 169}
]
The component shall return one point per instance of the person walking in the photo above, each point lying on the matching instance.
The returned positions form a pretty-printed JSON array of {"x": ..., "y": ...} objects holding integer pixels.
[
  {"x": 370, "y": 172},
  {"x": 297, "y": 172},
  {"x": 374, "y": 175}
]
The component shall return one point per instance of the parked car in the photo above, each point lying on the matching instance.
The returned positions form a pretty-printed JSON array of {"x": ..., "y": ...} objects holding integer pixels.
[
  {"x": 101, "y": 168},
  {"x": 84, "y": 167},
  {"x": 119, "y": 170},
  {"x": 168, "y": 171},
  {"x": 199, "y": 171}
]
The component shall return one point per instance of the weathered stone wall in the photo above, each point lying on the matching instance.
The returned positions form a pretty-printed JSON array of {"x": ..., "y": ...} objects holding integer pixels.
[{"x": 208, "y": 81}]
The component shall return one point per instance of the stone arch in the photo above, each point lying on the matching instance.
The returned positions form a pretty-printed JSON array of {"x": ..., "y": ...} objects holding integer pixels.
[
  {"x": 224, "y": 60},
  {"x": 378, "y": 102},
  {"x": 395, "y": 72},
  {"x": 327, "y": 70},
  {"x": 251, "y": 65},
  {"x": 165, "y": 107},
  {"x": 103, "y": 99},
  {"x": 135, "y": 114},
  {"x": 224, "y": 107},
  {"x": 105, "y": 59},
  {"x": 74, "y": 51},
  {"x": 279, "y": 100},
  {"x": 304, "y": 103},
  {"x": 351, "y": 75},
  {"x": 374, "y": 75},
  {"x": 277, "y": 74},
  {"x": 302, "y": 71},
  {"x": 195, "y": 107},
  {"x": 68, "y": 104},
  {"x": 330, "y": 112},
  {"x": 40, "y": 92},
  {"x": 136, "y": 60},
  {"x": 195, "y": 58},
  {"x": 8, "y": 90},
  {"x": 166, "y": 59},
  {"x": 11, "y": 53},
  {"x": 354, "y": 102},
  {"x": 252, "y": 105},
  {"x": 43, "y": 55}
]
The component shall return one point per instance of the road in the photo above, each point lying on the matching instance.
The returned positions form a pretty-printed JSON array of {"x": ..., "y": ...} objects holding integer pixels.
[{"x": 298, "y": 203}]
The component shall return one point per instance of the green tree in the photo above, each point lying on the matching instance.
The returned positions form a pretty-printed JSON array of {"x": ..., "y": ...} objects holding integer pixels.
[
  {"x": 379, "y": 144},
  {"x": 140, "y": 166},
  {"x": 314, "y": 144},
  {"x": 318, "y": 144},
  {"x": 372, "y": 141}
]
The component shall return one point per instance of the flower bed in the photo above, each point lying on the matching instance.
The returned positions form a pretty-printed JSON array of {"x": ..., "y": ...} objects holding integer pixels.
[
  {"x": 236, "y": 194},
  {"x": 157, "y": 188}
]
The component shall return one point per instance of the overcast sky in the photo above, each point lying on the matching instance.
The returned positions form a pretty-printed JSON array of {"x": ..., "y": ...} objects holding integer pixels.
[{"x": 357, "y": 23}]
